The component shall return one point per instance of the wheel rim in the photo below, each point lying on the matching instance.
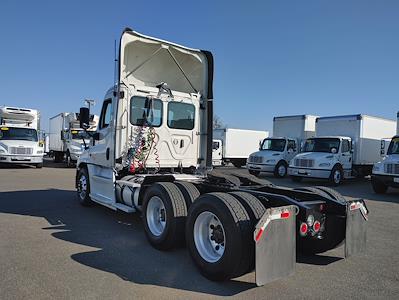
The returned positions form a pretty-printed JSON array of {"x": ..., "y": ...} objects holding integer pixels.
[
  {"x": 281, "y": 170},
  {"x": 209, "y": 237},
  {"x": 82, "y": 189},
  {"x": 156, "y": 216},
  {"x": 337, "y": 176}
]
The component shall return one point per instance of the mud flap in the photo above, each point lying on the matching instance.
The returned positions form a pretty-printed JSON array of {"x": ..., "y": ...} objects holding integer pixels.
[
  {"x": 356, "y": 227},
  {"x": 275, "y": 247}
]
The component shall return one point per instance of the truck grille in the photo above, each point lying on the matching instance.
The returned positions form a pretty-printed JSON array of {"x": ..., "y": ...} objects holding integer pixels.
[
  {"x": 21, "y": 150},
  {"x": 304, "y": 163},
  {"x": 391, "y": 168},
  {"x": 256, "y": 159}
]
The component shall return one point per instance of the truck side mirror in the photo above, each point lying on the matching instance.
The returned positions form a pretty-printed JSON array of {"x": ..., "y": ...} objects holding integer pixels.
[
  {"x": 84, "y": 118},
  {"x": 96, "y": 136},
  {"x": 62, "y": 135}
]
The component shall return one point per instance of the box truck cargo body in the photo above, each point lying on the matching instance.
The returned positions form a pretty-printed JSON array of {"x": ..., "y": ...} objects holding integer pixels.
[
  {"x": 275, "y": 153},
  {"x": 344, "y": 146},
  {"x": 19, "y": 138},
  {"x": 66, "y": 139},
  {"x": 386, "y": 172},
  {"x": 235, "y": 145}
]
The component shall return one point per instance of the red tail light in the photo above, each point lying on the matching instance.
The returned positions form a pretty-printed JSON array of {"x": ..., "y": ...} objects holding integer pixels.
[
  {"x": 316, "y": 226},
  {"x": 285, "y": 215},
  {"x": 303, "y": 229}
]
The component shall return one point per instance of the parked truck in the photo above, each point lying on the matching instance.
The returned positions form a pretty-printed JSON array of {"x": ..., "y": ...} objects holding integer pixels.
[
  {"x": 152, "y": 153},
  {"x": 344, "y": 147},
  {"x": 66, "y": 139},
  {"x": 235, "y": 145},
  {"x": 275, "y": 153},
  {"x": 386, "y": 172},
  {"x": 19, "y": 139}
]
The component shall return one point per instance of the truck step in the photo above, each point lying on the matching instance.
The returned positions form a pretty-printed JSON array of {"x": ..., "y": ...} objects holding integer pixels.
[{"x": 124, "y": 208}]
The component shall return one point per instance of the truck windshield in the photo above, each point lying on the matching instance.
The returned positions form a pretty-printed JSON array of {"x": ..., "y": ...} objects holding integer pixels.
[
  {"x": 273, "y": 145},
  {"x": 321, "y": 145},
  {"x": 79, "y": 134},
  {"x": 394, "y": 146},
  {"x": 24, "y": 134}
]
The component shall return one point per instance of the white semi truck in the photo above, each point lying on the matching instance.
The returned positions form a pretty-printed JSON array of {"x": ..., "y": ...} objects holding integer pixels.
[
  {"x": 386, "y": 172},
  {"x": 275, "y": 153},
  {"x": 19, "y": 139},
  {"x": 235, "y": 145},
  {"x": 152, "y": 153},
  {"x": 66, "y": 139},
  {"x": 344, "y": 147}
]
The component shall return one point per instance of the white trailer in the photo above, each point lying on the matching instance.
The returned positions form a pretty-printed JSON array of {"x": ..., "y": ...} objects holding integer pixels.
[
  {"x": 66, "y": 139},
  {"x": 386, "y": 172},
  {"x": 235, "y": 145},
  {"x": 19, "y": 139},
  {"x": 152, "y": 153},
  {"x": 275, "y": 153},
  {"x": 344, "y": 147}
]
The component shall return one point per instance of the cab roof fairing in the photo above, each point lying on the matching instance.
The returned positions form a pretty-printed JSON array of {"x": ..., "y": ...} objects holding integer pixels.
[{"x": 147, "y": 61}]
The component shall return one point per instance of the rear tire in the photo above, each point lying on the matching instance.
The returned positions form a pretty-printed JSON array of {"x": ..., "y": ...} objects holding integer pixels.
[
  {"x": 255, "y": 210},
  {"x": 378, "y": 186},
  {"x": 296, "y": 178},
  {"x": 189, "y": 191},
  {"x": 58, "y": 157},
  {"x": 68, "y": 160},
  {"x": 39, "y": 166},
  {"x": 164, "y": 214},
  {"x": 332, "y": 193},
  {"x": 219, "y": 236}
]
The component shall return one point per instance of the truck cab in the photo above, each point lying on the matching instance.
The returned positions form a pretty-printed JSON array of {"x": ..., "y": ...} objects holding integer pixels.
[
  {"x": 328, "y": 157},
  {"x": 386, "y": 172},
  {"x": 273, "y": 156},
  {"x": 19, "y": 139}
]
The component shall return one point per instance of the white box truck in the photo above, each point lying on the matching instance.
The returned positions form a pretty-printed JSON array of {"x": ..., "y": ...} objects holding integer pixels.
[
  {"x": 386, "y": 172},
  {"x": 275, "y": 153},
  {"x": 152, "y": 153},
  {"x": 66, "y": 139},
  {"x": 235, "y": 145},
  {"x": 19, "y": 139},
  {"x": 344, "y": 147}
]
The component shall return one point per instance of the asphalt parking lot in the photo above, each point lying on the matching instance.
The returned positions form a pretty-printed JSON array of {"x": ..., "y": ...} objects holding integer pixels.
[{"x": 53, "y": 248}]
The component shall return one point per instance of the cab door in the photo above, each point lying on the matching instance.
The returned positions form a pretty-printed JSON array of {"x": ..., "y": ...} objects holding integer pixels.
[
  {"x": 101, "y": 157},
  {"x": 346, "y": 157}
]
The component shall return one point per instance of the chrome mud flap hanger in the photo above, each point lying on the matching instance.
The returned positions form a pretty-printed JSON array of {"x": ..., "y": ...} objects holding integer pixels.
[
  {"x": 275, "y": 247},
  {"x": 356, "y": 227}
]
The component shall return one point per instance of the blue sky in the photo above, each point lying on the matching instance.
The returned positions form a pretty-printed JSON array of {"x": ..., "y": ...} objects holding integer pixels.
[{"x": 271, "y": 57}]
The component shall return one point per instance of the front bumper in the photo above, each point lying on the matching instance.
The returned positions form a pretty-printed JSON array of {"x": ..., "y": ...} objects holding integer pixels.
[
  {"x": 21, "y": 159},
  {"x": 261, "y": 167},
  {"x": 310, "y": 173},
  {"x": 389, "y": 180}
]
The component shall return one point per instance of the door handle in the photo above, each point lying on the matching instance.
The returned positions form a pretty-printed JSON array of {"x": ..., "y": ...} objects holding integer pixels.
[{"x": 107, "y": 154}]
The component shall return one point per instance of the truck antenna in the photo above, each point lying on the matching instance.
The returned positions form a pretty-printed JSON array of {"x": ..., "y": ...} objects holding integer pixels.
[
  {"x": 90, "y": 102},
  {"x": 115, "y": 64}
]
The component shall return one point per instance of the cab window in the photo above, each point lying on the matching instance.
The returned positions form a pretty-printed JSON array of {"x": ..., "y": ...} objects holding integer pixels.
[
  {"x": 345, "y": 146},
  {"x": 291, "y": 145},
  {"x": 145, "y": 111},
  {"x": 106, "y": 114},
  {"x": 181, "y": 115}
]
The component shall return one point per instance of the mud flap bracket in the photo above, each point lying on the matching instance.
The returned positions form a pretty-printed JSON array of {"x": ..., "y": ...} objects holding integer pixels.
[
  {"x": 275, "y": 247},
  {"x": 356, "y": 227}
]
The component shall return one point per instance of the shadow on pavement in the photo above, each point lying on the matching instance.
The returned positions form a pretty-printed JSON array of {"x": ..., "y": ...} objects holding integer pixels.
[
  {"x": 124, "y": 250},
  {"x": 319, "y": 260}
]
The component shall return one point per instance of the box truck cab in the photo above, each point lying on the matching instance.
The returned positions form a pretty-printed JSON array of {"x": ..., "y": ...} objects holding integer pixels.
[
  {"x": 275, "y": 153},
  {"x": 66, "y": 139},
  {"x": 235, "y": 145},
  {"x": 386, "y": 172},
  {"x": 19, "y": 139},
  {"x": 344, "y": 147}
]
